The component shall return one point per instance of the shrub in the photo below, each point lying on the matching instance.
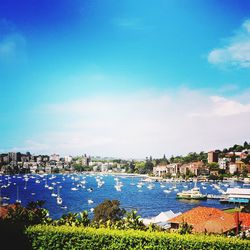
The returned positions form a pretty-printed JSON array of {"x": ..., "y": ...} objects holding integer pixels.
[{"x": 63, "y": 237}]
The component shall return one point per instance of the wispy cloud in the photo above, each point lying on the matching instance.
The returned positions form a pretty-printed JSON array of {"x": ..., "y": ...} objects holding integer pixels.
[
  {"x": 222, "y": 107},
  {"x": 13, "y": 48},
  {"x": 237, "y": 52},
  {"x": 142, "y": 124},
  {"x": 228, "y": 88},
  {"x": 131, "y": 23}
]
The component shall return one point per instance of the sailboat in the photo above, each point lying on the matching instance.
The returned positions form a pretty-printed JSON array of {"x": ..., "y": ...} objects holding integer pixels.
[
  {"x": 25, "y": 186},
  {"x": 46, "y": 183},
  {"x": 58, "y": 198},
  {"x": 53, "y": 193},
  {"x": 17, "y": 195}
]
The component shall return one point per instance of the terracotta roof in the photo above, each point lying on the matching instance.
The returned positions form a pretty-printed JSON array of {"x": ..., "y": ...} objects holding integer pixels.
[
  {"x": 244, "y": 219},
  {"x": 206, "y": 219},
  {"x": 220, "y": 224}
]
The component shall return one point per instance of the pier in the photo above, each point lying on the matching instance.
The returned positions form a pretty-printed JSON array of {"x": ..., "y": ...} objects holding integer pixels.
[{"x": 216, "y": 197}]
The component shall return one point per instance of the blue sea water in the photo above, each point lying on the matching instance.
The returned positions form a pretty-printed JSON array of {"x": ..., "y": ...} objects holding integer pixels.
[{"x": 148, "y": 202}]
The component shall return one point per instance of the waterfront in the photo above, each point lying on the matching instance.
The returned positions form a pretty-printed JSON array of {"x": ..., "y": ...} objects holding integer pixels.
[{"x": 85, "y": 191}]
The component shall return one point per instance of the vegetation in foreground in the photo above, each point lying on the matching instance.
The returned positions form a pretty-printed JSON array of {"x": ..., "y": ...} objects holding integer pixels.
[
  {"x": 111, "y": 228},
  {"x": 64, "y": 237}
]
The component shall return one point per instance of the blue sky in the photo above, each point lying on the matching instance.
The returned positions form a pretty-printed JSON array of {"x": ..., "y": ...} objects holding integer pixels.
[{"x": 116, "y": 77}]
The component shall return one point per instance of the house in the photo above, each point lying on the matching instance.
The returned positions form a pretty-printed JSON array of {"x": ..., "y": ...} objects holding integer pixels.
[
  {"x": 206, "y": 220},
  {"x": 160, "y": 170},
  {"x": 240, "y": 166},
  {"x": 223, "y": 162},
  {"x": 232, "y": 168},
  {"x": 54, "y": 157},
  {"x": 171, "y": 169},
  {"x": 196, "y": 168}
]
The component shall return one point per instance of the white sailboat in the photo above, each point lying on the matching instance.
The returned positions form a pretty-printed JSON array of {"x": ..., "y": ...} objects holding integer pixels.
[
  {"x": 58, "y": 199},
  {"x": 17, "y": 195},
  {"x": 53, "y": 193},
  {"x": 25, "y": 186},
  {"x": 46, "y": 183}
]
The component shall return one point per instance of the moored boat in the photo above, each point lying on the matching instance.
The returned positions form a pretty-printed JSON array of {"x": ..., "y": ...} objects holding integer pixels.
[{"x": 192, "y": 194}]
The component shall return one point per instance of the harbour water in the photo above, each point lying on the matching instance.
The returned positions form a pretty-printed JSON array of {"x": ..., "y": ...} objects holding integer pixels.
[{"x": 85, "y": 191}]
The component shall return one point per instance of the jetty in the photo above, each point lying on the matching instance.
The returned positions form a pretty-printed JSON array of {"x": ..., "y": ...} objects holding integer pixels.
[{"x": 216, "y": 196}]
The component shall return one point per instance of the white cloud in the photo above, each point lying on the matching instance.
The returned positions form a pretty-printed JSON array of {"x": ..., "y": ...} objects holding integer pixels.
[
  {"x": 226, "y": 107},
  {"x": 221, "y": 106},
  {"x": 144, "y": 124},
  {"x": 237, "y": 52},
  {"x": 13, "y": 48}
]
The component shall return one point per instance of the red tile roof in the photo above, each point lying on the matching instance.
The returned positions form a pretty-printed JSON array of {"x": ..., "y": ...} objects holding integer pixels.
[
  {"x": 206, "y": 219},
  {"x": 245, "y": 220}
]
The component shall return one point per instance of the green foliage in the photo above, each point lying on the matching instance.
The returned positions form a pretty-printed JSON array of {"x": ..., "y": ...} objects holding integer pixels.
[
  {"x": 213, "y": 166},
  {"x": 73, "y": 219},
  {"x": 133, "y": 221},
  {"x": 191, "y": 157},
  {"x": 63, "y": 237},
  {"x": 55, "y": 170},
  {"x": 185, "y": 228},
  {"x": 140, "y": 168},
  {"x": 80, "y": 167},
  {"x": 108, "y": 211}
]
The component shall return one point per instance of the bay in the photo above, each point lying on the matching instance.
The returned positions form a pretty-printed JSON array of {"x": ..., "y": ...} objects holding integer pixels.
[{"x": 81, "y": 192}]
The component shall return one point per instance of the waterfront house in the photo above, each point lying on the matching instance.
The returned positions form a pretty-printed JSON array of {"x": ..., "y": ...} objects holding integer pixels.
[
  {"x": 171, "y": 169},
  {"x": 196, "y": 168},
  {"x": 206, "y": 220},
  {"x": 160, "y": 170}
]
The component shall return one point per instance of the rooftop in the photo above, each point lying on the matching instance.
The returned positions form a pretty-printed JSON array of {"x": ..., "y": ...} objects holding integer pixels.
[{"x": 206, "y": 219}]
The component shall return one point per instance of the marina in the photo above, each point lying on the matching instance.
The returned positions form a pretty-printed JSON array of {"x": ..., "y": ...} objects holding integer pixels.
[{"x": 77, "y": 192}]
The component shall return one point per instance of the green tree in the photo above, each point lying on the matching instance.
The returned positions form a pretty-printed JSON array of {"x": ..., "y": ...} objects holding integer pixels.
[
  {"x": 140, "y": 168},
  {"x": 213, "y": 166},
  {"x": 246, "y": 145},
  {"x": 148, "y": 167},
  {"x": 109, "y": 210}
]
